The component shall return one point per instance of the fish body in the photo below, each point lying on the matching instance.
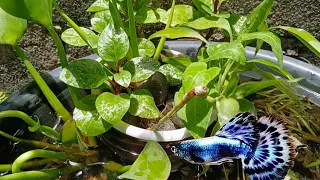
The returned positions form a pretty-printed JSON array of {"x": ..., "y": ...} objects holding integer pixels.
[{"x": 264, "y": 146}]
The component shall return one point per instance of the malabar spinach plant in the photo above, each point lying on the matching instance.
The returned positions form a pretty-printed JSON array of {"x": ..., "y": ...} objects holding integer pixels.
[{"x": 209, "y": 84}]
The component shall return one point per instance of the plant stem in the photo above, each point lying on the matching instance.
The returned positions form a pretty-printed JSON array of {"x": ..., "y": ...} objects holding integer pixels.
[
  {"x": 75, "y": 93},
  {"x": 51, "y": 97},
  {"x": 26, "y": 165},
  {"x": 224, "y": 75},
  {"x": 132, "y": 30},
  {"x": 51, "y": 133},
  {"x": 197, "y": 91},
  {"x": 115, "y": 14},
  {"x": 316, "y": 163},
  {"x": 38, "y": 153},
  {"x": 163, "y": 39}
]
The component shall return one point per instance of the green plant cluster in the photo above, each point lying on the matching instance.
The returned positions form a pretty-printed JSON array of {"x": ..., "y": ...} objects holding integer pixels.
[{"x": 127, "y": 58}]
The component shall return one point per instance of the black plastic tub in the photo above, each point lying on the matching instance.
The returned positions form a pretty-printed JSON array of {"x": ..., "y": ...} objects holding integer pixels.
[{"x": 31, "y": 101}]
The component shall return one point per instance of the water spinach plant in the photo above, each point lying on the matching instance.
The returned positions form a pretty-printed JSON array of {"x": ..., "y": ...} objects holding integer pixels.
[{"x": 209, "y": 87}]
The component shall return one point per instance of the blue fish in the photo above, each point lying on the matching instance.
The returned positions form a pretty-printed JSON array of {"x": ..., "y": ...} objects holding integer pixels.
[{"x": 264, "y": 146}]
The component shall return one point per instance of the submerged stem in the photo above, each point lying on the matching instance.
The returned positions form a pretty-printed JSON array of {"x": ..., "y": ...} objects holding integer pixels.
[
  {"x": 163, "y": 39},
  {"x": 26, "y": 165},
  {"x": 51, "y": 97}
]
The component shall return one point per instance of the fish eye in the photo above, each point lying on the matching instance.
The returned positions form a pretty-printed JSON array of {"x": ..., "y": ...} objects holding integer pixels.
[{"x": 173, "y": 149}]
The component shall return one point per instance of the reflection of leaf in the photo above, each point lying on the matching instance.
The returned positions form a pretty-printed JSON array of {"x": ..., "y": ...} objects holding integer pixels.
[{"x": 152, "y": 164}]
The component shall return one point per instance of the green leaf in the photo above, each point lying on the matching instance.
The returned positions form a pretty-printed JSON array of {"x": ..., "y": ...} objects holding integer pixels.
[
  {"x": 210, "y": 22},
  {"x": 113, "y": 44},
  {"x": 258, "y": 16},
  {"x": 39, "y": 11},
  {"x": 101, "y": 20},
  {"x": 99, "y": 5},
  {"x": 143, "y": 105},
  {"x": 70, "y": 36},
  {"x": 141, "y": 68},
  {"x": 11, "y": 29},
  {"x": 152, "y": 164},
  {"x": 84, "y": 73},
  {"x": 93, "y": 41},
  {"x": 275, "y": 67},
  {"x": 181, "y": 15},
  {"x": 173, "y": 74},
  {"x": 179, "y": 62},
  {"x": 247, "y": 106},
  {"x": 263, "y": 27},
  {"x": 123, "y": 78},
  {"x": 147, "y": 16},
  {"x": 87, "y": 118},
  {"x": 178, "y": 32},
  {"x": 227, "y": 109},
  {"x": 112, "y": 107},
  {"x": 69, "y": 132},
  {"x": 268, "y": 37},
  {"x": 232, "y": 84},
  {"x": 197, "y": 74},
  {"x": 36, "y": 126},
  {"x": 236, "y": 21},
  {"x": 246, "y": 89},
  {"x": 140, "y": 3},
  {"x": 233, "y": 50},
  {"x": 305, "y": 37},
  {"x": 145, "y": 47},
  {"x": 204, "y": 6}
]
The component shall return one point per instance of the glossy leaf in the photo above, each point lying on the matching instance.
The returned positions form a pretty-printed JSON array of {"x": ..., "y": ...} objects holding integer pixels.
[
  {"x": 11, "y": 29},
  {"x": 88, "y": 120},
  {"x": 232, "y": 50},
  {"x": 147, "y": 15},
  {"x": 197, "y": 74},
  {"x": 112, "y": 107},
  {"x": 145, "y": 47},
  {"x": 227, "y": 109},
  {"x": 232, "y": 84},
  {"x": 258, "y": 16},
  {"x": 204, "y": 6},
  {"x": 123, "y": 78},
  {"x": 99, "y": 5},
  {"x": 140, "y": 3},
  {"x": 113, "y": 44},
  {"x": 84, "y": 73},
  {"x": 236, "y": 21},
  {"x": 101, "y": 20},
  {"x": 247, "y": 106},
  {"x": 141, "y": 68},
  {"x": 70, "y": 36},
  {"x": 178, "y": 32},
  {"x": 36, "y": 10},
  {"x": 268, "y": 37},
  {"x": 210, "y": 22},
  {"x": 179, "y": 62},
  {"x": 152, "y": 163},
  {"x": 181, "y": 15},
  {"x": 173, "y": 74},
  {"x": 305, "y": 37},
  {"x": 69, "y": 132},
  {"x": 263, "y": 27},
  {"x": 143, "y": 105}
]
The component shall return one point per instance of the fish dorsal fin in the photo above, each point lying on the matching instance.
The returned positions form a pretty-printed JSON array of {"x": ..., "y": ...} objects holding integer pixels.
[
  {"x": 243, "y": 127},
  {"x": 275, "y": 152}
]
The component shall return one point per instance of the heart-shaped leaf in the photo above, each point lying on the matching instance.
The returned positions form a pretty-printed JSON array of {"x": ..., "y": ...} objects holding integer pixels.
[
  {"x": 268, "y": 37},
  {"x": 123, "y": 78},
  {"x": 197, "y": 74},
  {"x": 69, "y": 132},
  {"x": 99, "y": 5},
  {"x": 11, "y": 29},
  {"x": 173, "y": 74},
  {"x": 84, "y": 73},
  {"x": 210, "y": 22},
  {"x": 147, "y": 15},
  {"x": 181, "y": 15},
  {"x": 145, "y": 47},
  {"x": 233, "y": 50},
  {"x": 227, "y": 109},
  {"x": 112, "y": 107},
  {"x": 178, "y": 32},
  {"x": 143, "y": 105},
  {"x": 141, "y": 68},
  {"x": 113, "y": 44},
  {"x": 101, "y": 20},
  {"x": 87, "y": 118},
  {"x": 70, "y": 36},
  {"x": 152, "y": 163}
]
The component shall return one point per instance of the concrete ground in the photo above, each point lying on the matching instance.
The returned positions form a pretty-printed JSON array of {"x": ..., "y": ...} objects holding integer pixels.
[{"x": 39, "y": 46}]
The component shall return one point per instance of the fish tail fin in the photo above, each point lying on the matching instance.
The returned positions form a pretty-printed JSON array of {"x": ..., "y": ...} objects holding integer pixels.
[{"x": 275, "y": 152}]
